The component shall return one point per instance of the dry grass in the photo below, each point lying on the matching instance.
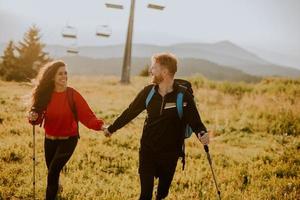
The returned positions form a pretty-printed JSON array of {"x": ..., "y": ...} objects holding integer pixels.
[{"x": 255, "y": 143}]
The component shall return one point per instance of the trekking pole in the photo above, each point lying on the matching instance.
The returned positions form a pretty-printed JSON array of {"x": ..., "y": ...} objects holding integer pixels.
[
  {"x": 33, "y": 160},
  {"x": 212, "y": 171}
]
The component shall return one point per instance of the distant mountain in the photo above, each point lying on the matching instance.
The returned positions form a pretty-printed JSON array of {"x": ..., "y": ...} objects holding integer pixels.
[
  {"x": 291, "y": 59},
  {"x": 186, "y": 67},
  {"x": 223, "y": 53}
]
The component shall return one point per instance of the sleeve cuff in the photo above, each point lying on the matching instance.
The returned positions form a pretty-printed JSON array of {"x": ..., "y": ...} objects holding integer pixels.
[{"x": 111, "y": 129}]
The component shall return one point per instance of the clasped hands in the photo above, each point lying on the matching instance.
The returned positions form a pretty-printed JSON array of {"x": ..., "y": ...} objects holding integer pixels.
[
  {"x": 203, "y": 137},
  {"x": 106, "y": 131}
]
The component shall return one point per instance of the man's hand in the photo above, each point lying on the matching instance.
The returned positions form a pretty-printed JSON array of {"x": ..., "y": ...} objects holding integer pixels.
[
  {"x": 106, "y": 131},
  {"x": 204, "y": 138}
]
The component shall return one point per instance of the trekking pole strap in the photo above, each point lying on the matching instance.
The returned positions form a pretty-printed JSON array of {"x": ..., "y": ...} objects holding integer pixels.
[{"x": 206, "y": 148}]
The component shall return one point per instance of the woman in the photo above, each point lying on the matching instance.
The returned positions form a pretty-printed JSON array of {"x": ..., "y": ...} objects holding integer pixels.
[{"x": 52, "y": 104}]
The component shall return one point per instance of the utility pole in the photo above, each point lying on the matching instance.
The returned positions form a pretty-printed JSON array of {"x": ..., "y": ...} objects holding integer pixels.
[{"x": 125, "y": 78}]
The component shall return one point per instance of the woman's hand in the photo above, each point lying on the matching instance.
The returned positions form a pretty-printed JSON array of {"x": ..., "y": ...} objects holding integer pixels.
[{"x": 33, "y": 116}]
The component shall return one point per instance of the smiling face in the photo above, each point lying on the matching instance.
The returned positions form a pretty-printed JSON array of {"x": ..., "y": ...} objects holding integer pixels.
[
  {"x": 163, "y": 67},
  {"x": 61, "y": 77},
  {"x": 156, "y": 71}
]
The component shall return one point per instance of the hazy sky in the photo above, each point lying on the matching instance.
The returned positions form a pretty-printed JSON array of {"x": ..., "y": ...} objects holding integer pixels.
[{"x": 267, "y": 24}]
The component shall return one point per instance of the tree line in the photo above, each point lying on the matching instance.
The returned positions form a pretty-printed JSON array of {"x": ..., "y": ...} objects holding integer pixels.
[{"x": 22, "y": 61}]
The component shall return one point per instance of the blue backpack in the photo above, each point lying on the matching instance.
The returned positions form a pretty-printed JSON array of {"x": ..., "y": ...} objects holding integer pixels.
[{"x": 185, "y": 86}]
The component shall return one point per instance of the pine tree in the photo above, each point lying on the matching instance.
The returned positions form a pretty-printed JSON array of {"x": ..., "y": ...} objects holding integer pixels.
[
  {"x": 31, "y": 56},
  {"x": 9, "y": 66}
]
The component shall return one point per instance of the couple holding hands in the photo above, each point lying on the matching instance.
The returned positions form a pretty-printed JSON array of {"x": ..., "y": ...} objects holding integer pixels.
[{"x": 60, "y": 108}]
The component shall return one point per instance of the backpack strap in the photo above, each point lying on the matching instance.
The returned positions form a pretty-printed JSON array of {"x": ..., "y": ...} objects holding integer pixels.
[
  {"x": 183, "y": 155},
  {"x": 72, "y": 105},
  {"x": 71, "y": 102},
  {"x": 150, "y": 95},
  {"x": 179, "y": 106},
  {"x": 43, "y": 118},
  {"x": 179, "y": 100}
]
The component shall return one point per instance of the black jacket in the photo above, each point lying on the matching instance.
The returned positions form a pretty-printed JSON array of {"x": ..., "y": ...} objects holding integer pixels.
[{"x": 163, "y": 131}]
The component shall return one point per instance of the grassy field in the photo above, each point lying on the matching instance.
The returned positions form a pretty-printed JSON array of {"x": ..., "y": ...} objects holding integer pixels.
[{"x": 255, "y": 146}]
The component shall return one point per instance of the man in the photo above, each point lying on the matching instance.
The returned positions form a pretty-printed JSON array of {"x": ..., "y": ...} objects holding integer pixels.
[{"x": 163, "y": 132}]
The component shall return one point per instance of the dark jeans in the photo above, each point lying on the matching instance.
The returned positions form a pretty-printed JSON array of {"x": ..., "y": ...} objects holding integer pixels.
[
  {"x": 162, "y": 167},
  {"x": 57, "y": 154}
]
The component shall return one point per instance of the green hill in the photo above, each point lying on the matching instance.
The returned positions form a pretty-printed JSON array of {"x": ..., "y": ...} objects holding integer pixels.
[{"x": 186, "y": 67}]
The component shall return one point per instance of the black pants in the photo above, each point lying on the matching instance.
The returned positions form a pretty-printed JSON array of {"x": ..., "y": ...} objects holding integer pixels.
[
  {"x": 162, "y": 167},
  {"x": 57, "y": 154}
]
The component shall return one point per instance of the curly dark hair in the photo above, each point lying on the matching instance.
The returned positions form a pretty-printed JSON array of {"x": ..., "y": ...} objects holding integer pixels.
[{"x": 42, "y": 92}]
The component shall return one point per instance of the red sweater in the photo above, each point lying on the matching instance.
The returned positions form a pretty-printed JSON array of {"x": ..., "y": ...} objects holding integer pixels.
[{"x": 59, "y": 119}]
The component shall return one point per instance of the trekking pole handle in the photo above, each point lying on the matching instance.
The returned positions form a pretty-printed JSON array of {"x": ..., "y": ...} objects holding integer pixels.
[{"x": 205, "y": 146}]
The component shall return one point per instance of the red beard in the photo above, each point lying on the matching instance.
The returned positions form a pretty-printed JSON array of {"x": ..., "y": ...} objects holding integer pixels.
[{"x": 157, "y": 79}]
